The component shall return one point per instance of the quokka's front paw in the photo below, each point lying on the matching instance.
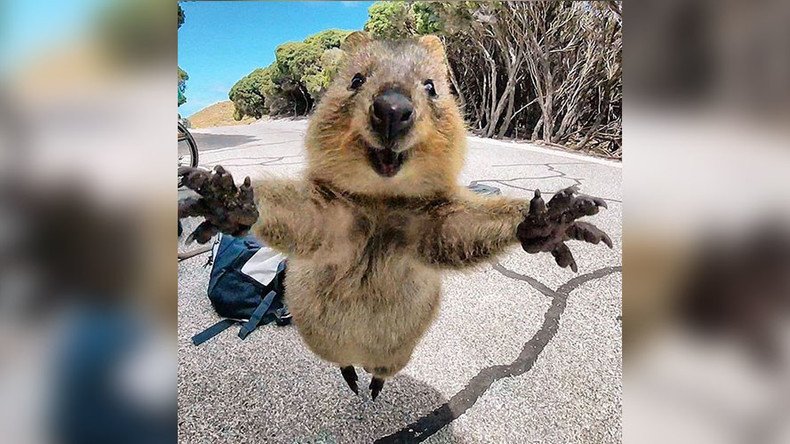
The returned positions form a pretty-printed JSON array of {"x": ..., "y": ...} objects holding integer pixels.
[
  {"x": 227, "y": 208},
  {"x": 547, "y": 227}
]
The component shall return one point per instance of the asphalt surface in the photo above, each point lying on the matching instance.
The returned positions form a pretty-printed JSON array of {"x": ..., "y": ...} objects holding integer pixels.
[{"x": 523, "y": 351}]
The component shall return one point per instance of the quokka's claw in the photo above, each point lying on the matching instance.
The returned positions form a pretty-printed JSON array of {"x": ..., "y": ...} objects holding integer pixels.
[
  {"x": 562, "y": 254},
  {"x": 376, "y": 384},
  {"x": 588, "y": 232},
  {"x": 537, "y": 205},
  {"x": 350, "y": 376},
  {"x": 203, "y": 233},
  {"x": 187, "y": 170},
  {"x": 190, "y": 207},
  {"x": 583, "y": 206},
  {"x": 223, "y": 181},
  {"x": 193, "y": 178},
  {"x": 246, "y": 186},
  {"x": 566, "y": 205},
  {"x": 561, "y": 200}
]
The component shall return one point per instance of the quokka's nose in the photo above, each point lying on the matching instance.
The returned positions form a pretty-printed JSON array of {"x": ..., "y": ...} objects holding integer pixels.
[{"x": 392, "y": 115}]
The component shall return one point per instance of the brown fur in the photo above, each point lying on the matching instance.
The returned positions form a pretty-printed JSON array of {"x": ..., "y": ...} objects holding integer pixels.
[{"x": 366, "y": 252}]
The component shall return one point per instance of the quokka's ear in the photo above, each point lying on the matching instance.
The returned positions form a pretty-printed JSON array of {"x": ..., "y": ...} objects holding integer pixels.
[
  {"x": 355, "y": 40},
  {"x": 434, "y": 46}
]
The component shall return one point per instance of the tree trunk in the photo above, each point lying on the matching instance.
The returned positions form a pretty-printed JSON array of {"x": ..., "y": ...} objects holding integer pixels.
[
  {"x": 536, "y": 130},
  {"x": 508, "y": 115},
  {"x": 507, "y": 95}
]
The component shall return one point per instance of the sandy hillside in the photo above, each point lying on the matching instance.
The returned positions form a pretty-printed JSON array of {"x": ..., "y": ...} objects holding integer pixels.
[{"x": 218, "y": 114}]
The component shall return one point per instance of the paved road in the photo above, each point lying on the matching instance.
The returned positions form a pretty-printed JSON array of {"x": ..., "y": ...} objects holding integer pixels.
[{"x": 522, "y": 351}]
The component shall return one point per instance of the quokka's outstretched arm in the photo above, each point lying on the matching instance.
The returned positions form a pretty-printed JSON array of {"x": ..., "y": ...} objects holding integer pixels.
[
  {"x": 471, "y": 230},
  {"x": 290, "y": 217},
  {"x": 284, "y": 214}
]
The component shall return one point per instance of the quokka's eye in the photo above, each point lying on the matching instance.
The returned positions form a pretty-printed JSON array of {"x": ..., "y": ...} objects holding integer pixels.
[
  {"x": 429, "y": 88},
  {"x": 357, "y": 81}
]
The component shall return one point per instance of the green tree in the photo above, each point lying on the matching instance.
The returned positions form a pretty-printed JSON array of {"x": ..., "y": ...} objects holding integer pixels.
[
  {"x": 182, "y": 75},
  {"x": 297, "y": 59},
  {"x": 428, "y": 17},
  {"x": 297, "y": 78},
  {"x": 390, "y": 20},
  {"x": 248, "y": 94},
  {"x": 182, "y": 86},
  {"x": 181, "y": 16},
  {"x": 399, "y": 20},
  {"x": 331, "y": 38}
]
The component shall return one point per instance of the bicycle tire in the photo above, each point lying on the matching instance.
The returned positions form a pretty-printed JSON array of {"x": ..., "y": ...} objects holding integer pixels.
[{"x": 187, "y": 137}]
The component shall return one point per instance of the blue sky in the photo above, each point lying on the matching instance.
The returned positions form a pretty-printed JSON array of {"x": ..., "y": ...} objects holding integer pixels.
[{"x": 220, "y": 42}]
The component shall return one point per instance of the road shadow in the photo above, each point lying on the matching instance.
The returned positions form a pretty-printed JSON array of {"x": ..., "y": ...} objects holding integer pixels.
[
  {"x": 303, "y": 400},
  {"x": 210, "y": 142},
  {"x": 271, "y": 388}
]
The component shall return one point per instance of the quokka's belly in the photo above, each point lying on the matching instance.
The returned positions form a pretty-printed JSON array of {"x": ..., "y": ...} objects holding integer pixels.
[{"x": 369, "y": 318}]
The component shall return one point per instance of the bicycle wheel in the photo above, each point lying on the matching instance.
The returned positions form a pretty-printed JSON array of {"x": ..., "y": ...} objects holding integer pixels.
[{"x": 187, "y": 148}]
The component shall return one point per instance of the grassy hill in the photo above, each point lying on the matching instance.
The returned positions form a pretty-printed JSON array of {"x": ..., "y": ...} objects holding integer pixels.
[{"x": 218, "y": 114}]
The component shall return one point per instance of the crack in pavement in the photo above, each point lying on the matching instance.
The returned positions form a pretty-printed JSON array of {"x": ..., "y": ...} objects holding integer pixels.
[
  {"x": 578, "y": 180},
  {"x": 261, "y": 157},
  {"x": 266, "y": 161},
  {"x": 551, "y": 166},
  {"x": 536, "y": 284},
  {"x": 538, "y": 164},
  {"x": 462, "y": 401},
  {"x": 502, "y": 181},
  {"x": 532, "y": 190},
  {"x": 244, "y": 146}
]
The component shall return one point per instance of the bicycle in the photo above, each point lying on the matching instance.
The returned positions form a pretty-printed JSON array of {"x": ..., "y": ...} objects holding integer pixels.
[{"x": 187, "y": 147}]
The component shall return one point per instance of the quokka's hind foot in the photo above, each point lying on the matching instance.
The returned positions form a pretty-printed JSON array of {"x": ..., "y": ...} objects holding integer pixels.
[
  {"x": 350, "y": 375},
  {"x": 376, "y": 384}
]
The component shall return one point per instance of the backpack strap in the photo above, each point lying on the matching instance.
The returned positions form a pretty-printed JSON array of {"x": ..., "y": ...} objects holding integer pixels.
[
  {"x": 212, "y": 331},
  {"x": 257, "y": 315}
]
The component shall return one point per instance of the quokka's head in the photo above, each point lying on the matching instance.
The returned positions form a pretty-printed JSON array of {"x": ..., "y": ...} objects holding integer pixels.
[{"x": 388, "y": 124}]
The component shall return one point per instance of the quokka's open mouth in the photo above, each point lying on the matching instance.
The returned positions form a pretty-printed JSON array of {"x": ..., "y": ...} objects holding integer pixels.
[{"x": 386, "y": 162}]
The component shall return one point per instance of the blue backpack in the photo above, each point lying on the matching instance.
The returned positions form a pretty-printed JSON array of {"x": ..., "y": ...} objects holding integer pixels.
[{"x": 245, "y": 286}]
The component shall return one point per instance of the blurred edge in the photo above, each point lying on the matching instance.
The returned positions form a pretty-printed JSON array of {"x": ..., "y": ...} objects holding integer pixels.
[
  {"x": 87, "y": 265},
  {"x": 706, "y": 288},
  {"x": 87, "y": 221}
]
